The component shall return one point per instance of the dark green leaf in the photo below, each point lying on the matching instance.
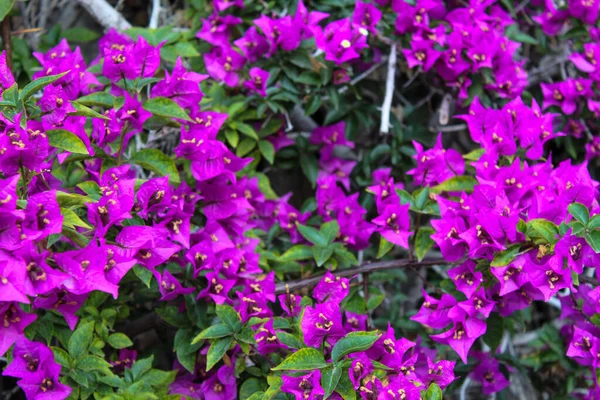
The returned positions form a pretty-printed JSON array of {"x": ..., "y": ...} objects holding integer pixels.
[
  {"x": 85, "y": 111},
  {"x": 80, "y": 35},
  {"x": 94, "y": 363},
  {"x": 5, "y": 7},
  {"x": 305, "y": 359},
  {"x": 352, "y": 343},
  {"x": 289, "y": 340},
  {"x": 594, "y": 222},
  {"x": 157, "y": 162},
  {"x": 310, "y": 168},
  {"x": 495, "y": 331},
  {"x": 213, "y": 332},
  {"x": 249, "y": 387},
  {"x": 61, "y": 357},
  {"x": 217, "y": 350},
  {"x": 345, "y": 388},
  {"x": 98, "y": 99},
  {"x": 542, "y": 228},
  {"x": 245, "y": 147},
  {"x": 143, "y": 273},
  {"x": 384, "y": 247},
  {"x": 65, "y": 140},
  {"x": 245, "y": 129}
]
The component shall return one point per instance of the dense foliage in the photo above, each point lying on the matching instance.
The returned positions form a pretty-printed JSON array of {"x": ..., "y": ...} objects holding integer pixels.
[{"x": 148, "y": 249}]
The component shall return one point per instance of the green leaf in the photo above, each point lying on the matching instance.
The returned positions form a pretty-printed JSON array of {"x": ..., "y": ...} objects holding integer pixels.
[
  {"x": 474, "y": 155},
  {"x": 94, "y": 363},
  {"x": 217, "y": 350},
  {"x": 71, "y": 199},
  {"x": 91, "y": 188},
  {"x": 65, "y": 140},
  {"x": 594, "y": 222},
  {"x": 330, "y": 230},
  {"x": 275, "y": 383},
  {"x": 595, "y": 319},
  {"x": 456, "y": 184},
  {"x": 157, "y": 162},
  {"x": 289, "y": 340},
  {"x": 85, "y": 111},
  {"x": 345, "y": 388},
  {"x": 80, "y": 35},
  {"x": 245, "y": 147},
  {"x": 245, "y": 129},
  {"x": 423, "y": 241},
  {"x": 173, "y": 316},
  {"x": 542, "y": 228},
  {"x": 143, "y": 273},
  {"x": 593, "y": 239},
  {"x": 61, "y": 357},
  {"x": 97, "y": 99},
  {"x": 232, "y": 137},
  {"x": 330, "y": 378},
  {"x": 5, "y": 7},
  {"x": 229, "y": 316},
  {"x": 119, "y": 341},
  {"x": 305, "y": 359},
  {"x": 70, "y": 219},
  {"x": 505, "y": 257},
  {"x": 76, "y": 237},
  {"x": 298, "y": 252},
  {"x": 494, "y": 332},
  {"x": 433, "y": 392},
  {"x": 322, "y": 254},
  {"x": 249, "y": 387},
  {"x": 213, "y": 332},
  {"x": 80, "y": 339},
  {"x": 344, "y": 257},
  {"x": 352, "y": 343},
  {"x": 310, "y": 168},
  {"x": 312, "y": 235},
  {"x": 267, "y": 150},
  {"x": 384, "y": 247},
  {"x": 580, "y": 212},
  {"x": 33, "y": 87},
  {"x": 165, "y": 107},
  {"x": 140, "y": 367}
]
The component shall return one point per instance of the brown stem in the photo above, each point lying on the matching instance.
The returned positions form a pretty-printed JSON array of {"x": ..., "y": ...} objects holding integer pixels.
[
  {"x": 6, "y": 41},
  {"x": 366, "y": 294},
  {"x": 362, "y": 269}
]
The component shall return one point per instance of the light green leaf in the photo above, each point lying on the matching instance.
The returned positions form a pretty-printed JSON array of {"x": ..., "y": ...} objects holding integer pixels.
[
  {"x": 217, "y": 350},
  {"x": 33, "y": 87},
  {"x": 352, "y": 343},
  {"x": 298, "y": 252},
  {"x": 330, "y": 378},
  {"x": 289, "y": 340},
  {"x": 384, "y": 247},
  {"x": 80, "y": 339},
  {"x": 456, "y": 184},
  {"x": 229, "y": 316},
  {"x": 85, "y": 111},
  {"x": 165, "y": 107},
  {"x": 423, "y": 241},
  {"x": 267, "y": 150},
  {"x": 593, "y": 239},
  {"x": 93, "y": 363},
  {"x": 433, "y": 393},
  {"x": 65, "y": 140},
  {"x": 505, "y": 257},
  {"x": 70, "y": 219},
  {"x": 321, "y": 254},
  {"x": 305, "y": 359},
  {"x": 580, "y": 212},
  {"x": 97, "y": 99},
  {"x": 213, "y": 332},
  {"x": 119, "y": 341},
  {"x": 312, "y": 235},
  {"x": 157, "y": 162},
  {"x": 330, "y": 230}
]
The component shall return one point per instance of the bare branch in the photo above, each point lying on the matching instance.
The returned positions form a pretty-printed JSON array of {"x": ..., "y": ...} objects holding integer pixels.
[
  {"x": 105, "y": 14},
  {"x": 156, "y": 7},
  {"x": 389, "y": 92},
  {"x": 362, "y": 269}
]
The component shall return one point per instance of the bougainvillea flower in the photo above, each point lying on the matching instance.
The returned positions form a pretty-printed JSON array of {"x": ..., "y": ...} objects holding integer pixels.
[
  {"x": 42, "y": 216},
  {"x": 394, "y": 224},
  {"x": 322, "y": 322},
  {"x": 29, "y": 358},
  {"x": 305, "y": 387},
  {"x": 465, "y": 277},
  {"x": 14, "y": 321},
  {"x": 216, "y": 29},
  {"x": 63, "y": 302},
  {"x": 222, "y": 63},
  {"x": 290, "y": 304},
  {"x": 462, "y": 335},
  {"x": 561, "y": 94},
  {"x": 45, "y": 384},
  {"x": 331, "y": 288},
  {"x": 488, "y": 373},
  {"x": 366, "y": 16},
  {"x": 361, "y": 367},
  {"x": 258, "y": 81},
  {"x": 332, "y": 135},
  {"x": 6, "y": 76},
  {"x": 266, "y": 339},
  {"x": 253, "y": 45}
]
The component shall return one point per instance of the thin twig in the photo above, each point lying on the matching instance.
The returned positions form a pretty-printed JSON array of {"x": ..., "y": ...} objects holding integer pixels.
[
  {"x": 105, "y": 14},
  {"x": 362, "y": 269},
  {"x": 362, "y": 76},
  {"x": 389, "y": 92}
]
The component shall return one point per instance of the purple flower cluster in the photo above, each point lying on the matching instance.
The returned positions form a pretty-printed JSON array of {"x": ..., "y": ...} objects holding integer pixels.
[{"x": 474, "y": 43}]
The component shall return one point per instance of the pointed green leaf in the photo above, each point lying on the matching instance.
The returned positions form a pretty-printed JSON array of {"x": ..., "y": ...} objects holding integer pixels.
[
  {"x": 229, "y": 316},
  {"x": 33, "y": 87},
  {"x": 267, "y": 150},
  {"x": 312, "y": 235},
  {"x": 384, "y": 247},
  {"x": 119, "y": 341},
  {"x": 70, "y": 219},
  {"x": 80, "y": 339},
  {"x": 303, "y": 360},
  {"x": 593, "y": 239},
  {"x": 217, "y": 350},
  {"x": 213, "y": 332},
  {"x": 65, "y": 140},
  {"x": 165, "y": 107},
  {"x": 580, "y": 212},
  {"x": 505, "y": 257},
  {"x": 322, "y": 254},
  {"x": 423, "y": 241},
  {"x": 330, "y": 378},
  {"x": 85, "y": 111},
  {"x": 352, "y": 343},
  {"x": 330, "y": 230},
  {"x": 456, "y": 184},
  {"x": 298, "y": 252},
  {"x": 157, "y": 162}
]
